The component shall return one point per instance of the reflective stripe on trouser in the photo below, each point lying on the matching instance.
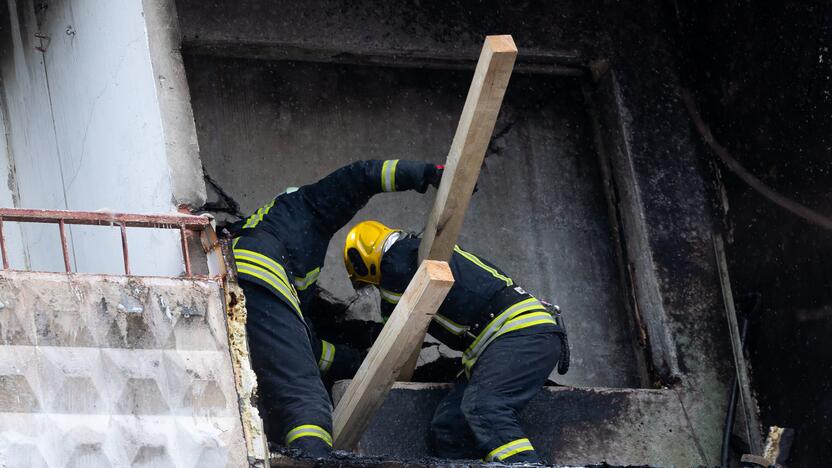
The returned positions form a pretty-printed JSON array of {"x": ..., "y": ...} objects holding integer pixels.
[
  {"x": 482, "y": 410},
  {"x": 526, "y": 313},
  {"x": 308, "y": 430},
  {"x": 289, "y": 380},
  {"x": 327, "y": 356},
  {"x": 506, "y": 450}
]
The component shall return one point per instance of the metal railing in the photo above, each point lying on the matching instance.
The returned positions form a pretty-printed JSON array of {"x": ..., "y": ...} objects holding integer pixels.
[{"x": 183, "y": 222}]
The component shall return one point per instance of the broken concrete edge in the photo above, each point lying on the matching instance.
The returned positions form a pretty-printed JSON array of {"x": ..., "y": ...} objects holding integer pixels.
[
  {"x": 245, "y": 379},
  {"x": 341, "y": 385},
  {"x": 295, "y": 459}
]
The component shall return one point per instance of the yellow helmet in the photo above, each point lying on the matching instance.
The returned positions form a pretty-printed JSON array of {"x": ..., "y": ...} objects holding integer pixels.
[{"x": 363, "y": 249}]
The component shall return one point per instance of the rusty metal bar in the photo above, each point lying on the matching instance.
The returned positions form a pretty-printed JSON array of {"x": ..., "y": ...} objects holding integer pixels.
[
  {"x": 124, "y": 249},
  {"x": 185, "y": 254},
  {"x": 64, "y": 246},
  {"x": 170, "y": 221},
  {"x": 185, "y": 223},
  {"x": 3, "y": 246},
  {"x": 752, "y": 422}
]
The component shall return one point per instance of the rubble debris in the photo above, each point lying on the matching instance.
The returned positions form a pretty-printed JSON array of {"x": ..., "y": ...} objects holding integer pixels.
[{"x": 778, "y": 445}]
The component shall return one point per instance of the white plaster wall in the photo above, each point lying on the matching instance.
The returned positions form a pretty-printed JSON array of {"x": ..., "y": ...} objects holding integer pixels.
[
  {"x": 8, "y": 196},
  {"x": 31, "y": 137},
  {"x": 86, "y": 132}
]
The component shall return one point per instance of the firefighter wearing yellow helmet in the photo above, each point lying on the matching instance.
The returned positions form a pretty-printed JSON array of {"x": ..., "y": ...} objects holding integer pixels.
[
  {"x": 279, "y": 252},
  {"x": 510, "y": 341}
]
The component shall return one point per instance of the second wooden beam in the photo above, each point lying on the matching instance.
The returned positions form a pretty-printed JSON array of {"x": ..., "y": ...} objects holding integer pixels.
[{"x": 403, "y": 331}]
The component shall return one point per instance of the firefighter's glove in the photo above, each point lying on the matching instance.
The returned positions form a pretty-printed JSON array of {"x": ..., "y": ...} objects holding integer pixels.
[
  {"x": 433, "y": 174},
  {"x": 563, "y": 362},
  {"x": 232, "y": 230}
]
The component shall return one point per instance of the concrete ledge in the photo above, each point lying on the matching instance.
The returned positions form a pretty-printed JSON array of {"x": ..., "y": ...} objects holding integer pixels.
[
  {"x": 569, "y": 426},
  {"x": 384, "y": 33}
]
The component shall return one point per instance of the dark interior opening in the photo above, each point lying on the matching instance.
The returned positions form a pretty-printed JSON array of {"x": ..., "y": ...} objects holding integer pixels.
[{"x": 540, "y": 212}]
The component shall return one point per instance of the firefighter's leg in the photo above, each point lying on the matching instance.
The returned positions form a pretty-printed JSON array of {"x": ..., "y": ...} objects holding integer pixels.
[
  {"x": 297, "y": 409},
  {"x": 450, "y": 436},
  {"x": 505, "y": 378}
]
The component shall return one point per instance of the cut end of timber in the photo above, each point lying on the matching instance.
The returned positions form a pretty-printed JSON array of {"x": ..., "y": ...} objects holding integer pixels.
[
  {"x": 438, "y": 271},
  {"x": 501, "y": 44}
]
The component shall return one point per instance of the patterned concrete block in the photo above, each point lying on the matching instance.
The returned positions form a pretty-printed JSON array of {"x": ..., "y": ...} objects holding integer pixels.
[{"x": 115, "y": 371}]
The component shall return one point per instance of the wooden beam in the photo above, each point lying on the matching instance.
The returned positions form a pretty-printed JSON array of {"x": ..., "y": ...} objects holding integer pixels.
[
  {"x": 402, "y": 332},
  {"x": 465, "y": 157},
  {"x": 462, "y": 168},
  {"x": 396, "y": 350}
]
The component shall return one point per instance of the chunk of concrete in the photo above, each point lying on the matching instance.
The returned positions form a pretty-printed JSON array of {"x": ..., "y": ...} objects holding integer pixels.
[{"x": 568, "y": 426}]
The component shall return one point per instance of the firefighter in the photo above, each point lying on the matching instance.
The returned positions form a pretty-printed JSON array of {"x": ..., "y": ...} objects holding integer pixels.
[
  {"x": 510, "y": 341},
  {"x": 279, "y": 252}
]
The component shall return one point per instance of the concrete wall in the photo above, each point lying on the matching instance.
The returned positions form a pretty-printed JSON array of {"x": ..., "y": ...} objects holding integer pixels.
[
  {"x": 100, "y": 371},
  {"x": 761, "y": 74},
  {"x": 540, "y": 212},
  {"x": 86, "y": 132}
]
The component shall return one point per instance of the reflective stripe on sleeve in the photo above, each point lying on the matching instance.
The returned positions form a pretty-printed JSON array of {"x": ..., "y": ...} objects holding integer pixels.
[
  {"x": 476, "y": 261},
  {"x": 255, "y": 219},
  {"x": 388, "y": 175},
  {"x": 327, "y": 356},
  {"x": 308, "y": 430},
  {"x": 308, "y": 280},
  {"x": 512, "y": 448},
  {"x": 389, "y": 296},
  {"x": 450, "y": 325}
]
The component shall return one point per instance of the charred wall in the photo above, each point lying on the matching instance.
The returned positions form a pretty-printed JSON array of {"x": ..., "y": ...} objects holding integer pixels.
[
  {"x": 762, "y": 72},
  {"x": 658, "y": 178}
]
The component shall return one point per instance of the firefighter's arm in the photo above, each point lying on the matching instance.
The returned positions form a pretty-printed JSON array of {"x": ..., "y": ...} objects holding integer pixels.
[
  {"x": 336, "y": 361},
  {"x": 324, "y": 354},
  {"x": 390, "y": 290},
  {"x": 336, "y": 198},
  {"x": 386, "y": 309}
]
